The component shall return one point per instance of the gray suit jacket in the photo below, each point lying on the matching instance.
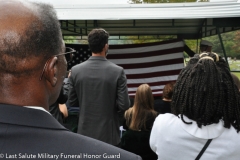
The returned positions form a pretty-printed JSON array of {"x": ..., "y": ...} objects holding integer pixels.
[{"x": 99, "y": 88}]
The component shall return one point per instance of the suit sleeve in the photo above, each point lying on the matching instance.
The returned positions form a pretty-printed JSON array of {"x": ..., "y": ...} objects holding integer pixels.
[
  {"x": 188, "y": 51},
  {"x": 72, "y": 95},
  {"x": 123, "y": 101}
]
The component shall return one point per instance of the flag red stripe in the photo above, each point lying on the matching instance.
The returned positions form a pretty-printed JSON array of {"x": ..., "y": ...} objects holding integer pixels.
[
  {"x": 144, "y": 54},
  {"x": 152, "y": 64},
  {"x": 154, "y": 74}
]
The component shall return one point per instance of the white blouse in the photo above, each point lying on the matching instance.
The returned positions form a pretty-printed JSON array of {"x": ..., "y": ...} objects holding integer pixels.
[{"x": 172, "y": 139}]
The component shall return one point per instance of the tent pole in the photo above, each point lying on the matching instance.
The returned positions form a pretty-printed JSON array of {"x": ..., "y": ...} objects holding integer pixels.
[{"x": 224, "y": 52}]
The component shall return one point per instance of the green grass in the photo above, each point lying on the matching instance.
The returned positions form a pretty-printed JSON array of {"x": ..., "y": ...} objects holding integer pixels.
[{"x": 234, "y": 65}]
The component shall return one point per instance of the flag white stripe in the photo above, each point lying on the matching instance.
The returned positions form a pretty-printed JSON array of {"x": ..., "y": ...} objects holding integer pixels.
[
  {"x": 148, "y": 59},
  {"x": 154, "y": 69},
  {"x": 152, "y": 80},
  {"x": 137, "y": 50}
]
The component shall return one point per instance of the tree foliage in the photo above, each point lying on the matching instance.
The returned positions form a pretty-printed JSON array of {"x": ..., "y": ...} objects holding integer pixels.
[
  {"x": 74, "y": 40},
  {"x": 231, "y": 42},
  {"x": 236, "y": 46}
]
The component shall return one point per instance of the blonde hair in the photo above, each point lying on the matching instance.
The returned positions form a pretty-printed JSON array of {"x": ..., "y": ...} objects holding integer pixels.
[{"x": 136, "y": 116}]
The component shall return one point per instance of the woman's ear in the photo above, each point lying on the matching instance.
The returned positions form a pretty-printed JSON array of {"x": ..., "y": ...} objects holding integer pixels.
[{"x": 51, "y": 71}]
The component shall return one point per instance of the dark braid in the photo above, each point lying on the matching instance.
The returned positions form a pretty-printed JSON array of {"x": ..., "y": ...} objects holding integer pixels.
[
  {"x": 205, "y": 92},
  {"x": 179, "y": 90}
]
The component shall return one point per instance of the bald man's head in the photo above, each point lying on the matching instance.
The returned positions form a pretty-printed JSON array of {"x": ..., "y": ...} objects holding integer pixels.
[{"x": 27, "y": 30}]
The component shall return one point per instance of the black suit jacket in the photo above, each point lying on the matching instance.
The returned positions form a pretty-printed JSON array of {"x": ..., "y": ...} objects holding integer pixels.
[{"x": 30, "y": 132}]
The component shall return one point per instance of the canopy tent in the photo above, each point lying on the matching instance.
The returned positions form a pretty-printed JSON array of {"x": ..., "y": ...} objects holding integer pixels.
[
  {"x": 185, "y": 20},
  {"x": 194, "y": 20}
]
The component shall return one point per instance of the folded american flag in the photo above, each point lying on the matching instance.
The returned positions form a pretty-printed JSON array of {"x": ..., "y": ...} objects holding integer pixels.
[{"x": 153, "y": 63}]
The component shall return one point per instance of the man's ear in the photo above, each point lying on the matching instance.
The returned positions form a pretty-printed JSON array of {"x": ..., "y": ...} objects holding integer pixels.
[
  {"x": 51, "y": 71},
  {"x": 106, "y": 47}
]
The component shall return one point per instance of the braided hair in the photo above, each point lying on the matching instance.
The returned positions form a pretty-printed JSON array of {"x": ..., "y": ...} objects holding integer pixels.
[{"x": 205, "y": 92}]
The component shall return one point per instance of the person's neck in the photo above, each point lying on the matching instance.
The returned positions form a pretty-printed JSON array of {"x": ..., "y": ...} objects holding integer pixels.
[
  {"x": 165, "y": 99},
  {"x": 23, "y": 93},
  {"x": 101, "y": 54}
]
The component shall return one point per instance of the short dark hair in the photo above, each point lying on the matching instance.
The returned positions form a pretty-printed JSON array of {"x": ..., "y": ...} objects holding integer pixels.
[
  {"x": 97, "y": 39},
  {"x": 41, "y": 37},
  {"x": 205, "y": 92},
  {"x": 168, "y": 90}
]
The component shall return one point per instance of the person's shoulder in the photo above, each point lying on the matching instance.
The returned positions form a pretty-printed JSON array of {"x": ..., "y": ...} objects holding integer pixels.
[
  {"x": 77, "y": 67},
  {"x": 113, "y": 68},
  {"x": 166, "y": 118},
  {"x": 152, "y": 114},
  {"x": 96, "y": 149},
  {"x": 113, "y": 65}
]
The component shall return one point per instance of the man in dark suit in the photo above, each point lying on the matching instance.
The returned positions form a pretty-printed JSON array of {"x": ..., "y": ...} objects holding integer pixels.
[
  {"x": 99, "y": 87},
  {"x": 32, "y": 69}
]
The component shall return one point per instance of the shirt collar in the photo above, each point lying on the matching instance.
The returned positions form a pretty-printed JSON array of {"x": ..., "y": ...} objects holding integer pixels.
[
  {"x": 38, "y": 108},
  {"x": 98, "y": 58}
]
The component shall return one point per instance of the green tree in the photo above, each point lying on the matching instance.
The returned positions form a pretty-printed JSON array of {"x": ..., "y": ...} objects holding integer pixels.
[
  {"x": 229, "y": 41},
  {"x": 74, "y": 40},
  {"x": 236, "y": 46},
  {"x": 141, "y": 39},
  {"x": 135, "y": 1},
  {"x": 69, "y": 39}
]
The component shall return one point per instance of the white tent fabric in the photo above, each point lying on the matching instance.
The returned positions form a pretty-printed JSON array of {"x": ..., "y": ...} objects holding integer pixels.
[{"x": 80, "y": 10}]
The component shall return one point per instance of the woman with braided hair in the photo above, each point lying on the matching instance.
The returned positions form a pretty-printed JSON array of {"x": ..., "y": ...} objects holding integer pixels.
[{"x": 206, "y": 114}]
